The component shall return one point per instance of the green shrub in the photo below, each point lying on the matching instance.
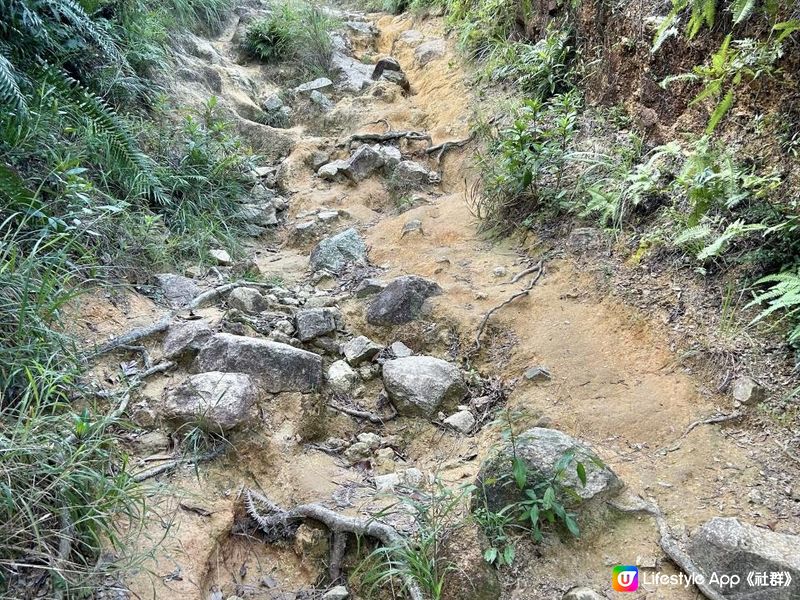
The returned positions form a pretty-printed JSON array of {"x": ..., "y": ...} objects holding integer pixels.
[
  {"x": 526, "y": 168},
  {"x": 295, "y": 32},
  {"x": 537, "y": 70}
]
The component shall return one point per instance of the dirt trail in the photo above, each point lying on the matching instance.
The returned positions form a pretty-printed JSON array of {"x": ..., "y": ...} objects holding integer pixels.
[{"x": 614, "y": 382}]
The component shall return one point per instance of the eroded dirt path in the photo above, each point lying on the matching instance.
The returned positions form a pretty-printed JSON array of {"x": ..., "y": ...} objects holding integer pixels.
[{"x": 614, "y": 383}]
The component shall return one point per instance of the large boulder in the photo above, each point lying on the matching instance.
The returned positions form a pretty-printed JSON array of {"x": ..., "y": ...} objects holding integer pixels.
[
  {"x": 387, "y": 63},
  {"x": 541, "y": 450},
  {"x": 727, "y": 546},
  {"x": 213, "y": 400},
  {"x": 336, "y": 251},
  {"x": 280, "y": 367},
  {"x": 315, "y": 322},
  {"x": 420, "y": 385},
  {"x": 401, "y": 301},
  {"x": 184, "y": 339},
  {"x": 177, "y": 289}
]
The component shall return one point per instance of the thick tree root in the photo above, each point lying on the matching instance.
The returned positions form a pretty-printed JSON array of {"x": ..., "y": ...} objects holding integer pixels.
[
  {"x": 136, "y": 335},
  {"x": 278, "y": 523},
  {"x": 440, "y": 149},
  {"x": 670, "y": 545},
  {"x": 389, "y": 136}
]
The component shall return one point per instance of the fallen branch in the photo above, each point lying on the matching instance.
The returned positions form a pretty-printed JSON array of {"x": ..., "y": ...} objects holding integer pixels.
[
  {"x": 279, "y": 523},
  {"x": 445, "y": 146},
  {"x": 671, "y": 547},
  {"x": 363, "y": 414},
  {"x": 522, "y": 274},
  {"x": 540, "y": 268},
  {"x": 709, "y": 421},
  {"x": 131, "y": 337},
  {"x": 389, "y": 136}
]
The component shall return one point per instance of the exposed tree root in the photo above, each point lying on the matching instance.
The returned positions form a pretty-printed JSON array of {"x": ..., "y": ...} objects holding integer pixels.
[
  {"x": 278, "y": 523},
  {"x": 709, "y": 421},
  {"x": 364, "y": 414},
  {"x": 389, "y": 136},
  {"x": 670, "y": 545},
  {"x": 540, "y": 271},
  {"x": 440, "y": 149}
]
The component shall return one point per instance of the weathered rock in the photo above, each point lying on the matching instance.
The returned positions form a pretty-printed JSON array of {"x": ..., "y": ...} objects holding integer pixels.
[
  {"x": 462, "y": 421},
  {"x": 214, "y": 400},
  {"x": 320, "y": 83},
  {"x": 336, "y": 593},
  {"x": 321, "y": 100},
  {"x": 391, "y": 156},
  {"x": 272, "y": 103},
  {"x": 315, "y": 322},
  {"x": 221, "y": 257},
  {"x": 151, "y": 442},
  {"x": 400, "y": 350},
  {"x": 354, "y": 75},
  {"x": 538, "y": 373},
  {"x": 369, "y": 287},
  {"x": 386, "y": 63},
  {"x": 359, "y": 350},
  {"x": 178, "y": 290},
  {"x": 541, "y": 449},
  {"x": 341, "y": 377},
  {"x": 263, "y": 215},
  {"x": 363, "y": 163},
  {"x": 411, "y": 175},
  {"x": 420, "y": 385},
  {"x": 727, "y": 546},
  {"x": 184, "y": 340},
  {"x": 412, "y": 226},
  {"x": 318, "y": 159},
  {"x": 402, "y": 301},
  {"x": 429, "y": 51},
  {"x": 398, "y": 78},
  {"x": 270, "y": 142},
  {"x": 358, "y": 452},
  {"x": 330, "y": 171},
  {"x": 747, "y": 391},
  {"x": 280, "y": 367},
  {"x": 582, "y": 593},
  {"x": 326, "y": 216},
  {"x": 336, "y": 251},
  {"x": 248, "y": 300}
]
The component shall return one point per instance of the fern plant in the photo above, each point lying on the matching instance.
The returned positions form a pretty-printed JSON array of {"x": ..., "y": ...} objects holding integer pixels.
[{"x": 782, "y": 294}]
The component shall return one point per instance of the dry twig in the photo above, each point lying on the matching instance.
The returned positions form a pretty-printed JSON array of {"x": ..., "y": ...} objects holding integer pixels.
[{"x": 709, "y": 421}]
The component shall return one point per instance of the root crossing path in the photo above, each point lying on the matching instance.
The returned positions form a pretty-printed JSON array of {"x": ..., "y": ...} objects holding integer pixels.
[{"x": 610, "y": 381}]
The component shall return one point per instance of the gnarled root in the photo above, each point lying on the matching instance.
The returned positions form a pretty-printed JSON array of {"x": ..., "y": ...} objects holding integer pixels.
[{"x": 278, "y": 523}]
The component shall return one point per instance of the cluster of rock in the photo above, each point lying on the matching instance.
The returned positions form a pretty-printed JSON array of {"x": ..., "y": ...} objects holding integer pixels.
[{"x": 367, "y": 160}]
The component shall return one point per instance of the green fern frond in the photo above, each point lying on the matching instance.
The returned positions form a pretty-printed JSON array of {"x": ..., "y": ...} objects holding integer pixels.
[
  {"x": 14, "y": 192},
  {"x": 10, "y": 94},
  {"x": 121, "y": 142},
  {"x": 732, "y": 231},
  {"x": 693, "y": 234},
  {"x": 720, "y": 111},
  {"x": 72, "y": 12},
  {"x": 742, "y": 9}
]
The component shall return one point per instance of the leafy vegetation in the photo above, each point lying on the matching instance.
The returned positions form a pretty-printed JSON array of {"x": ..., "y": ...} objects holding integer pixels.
[
  {"x": 437, "y": 511},
  {"x": 97, "y": 179},
  {"x": 299, "y": 33},
  {"x": 542, "y": 503}
]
